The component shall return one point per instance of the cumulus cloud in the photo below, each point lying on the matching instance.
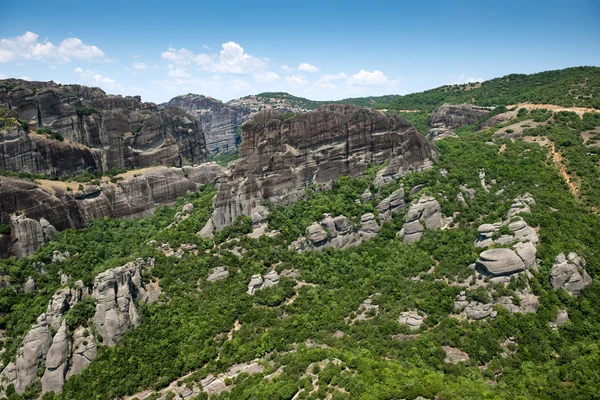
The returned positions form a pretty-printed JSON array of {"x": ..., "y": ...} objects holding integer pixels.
[
  {"x": 306, "y": 67},
  {"x": 232, "y": 59},
  {"x": 177, "y": 72},
  {"x": 462, "y": 78},
  {"x": 268, "y": 77},
  {"x": 326, "y": 80},
  {"x": 27, "y": 47},
  {"x": 93, "y": 78},
  {"x": 205, "y": 46},
  {"x": 287, "y": 68},
  {"x": 366, "y": 78},
  {"x": 296, "y": 80},
  {"x": 139, "y": 65}
]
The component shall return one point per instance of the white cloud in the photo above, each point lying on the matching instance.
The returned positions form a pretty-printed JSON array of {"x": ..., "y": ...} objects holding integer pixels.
[
  {"x": 325, "y": 81},
  {"x": 238, "y": 85},
  {"x": 296, "y": 80},
  {"x": 366, "y": 78},
  {"x": 139, "y": 65},
  {"x": 267, "y": 77},
  {"x": 462, "y": 78},
  {"x": 27, "y": 47},
  {"x": 25, "y": 78},
  {"x": 93, "y": 78},
  {"x": 205, "y": 46},
  {"x": 287, "y": 69},
  {"x": 232, "y": 59},
  {"x": 176, "y": 72},
  {"x": 306, "y": 67}
]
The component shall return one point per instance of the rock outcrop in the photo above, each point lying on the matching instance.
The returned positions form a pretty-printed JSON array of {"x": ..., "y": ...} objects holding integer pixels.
[
  {"x": 413, "y": 319},
  {"x": 67, "y": 352},
  {"x": 446, "y": 118},
  {"x": 47, "y": 206},
  {"x": 336, "y": 232},
  {"x": 498, "y": 262},
  {"x": 569, "y": 273},
  {"x": 280, "y": 157},
  {"x": 219, "y": 121},
  {"x": 426, "y": 210},
  {"x": 100, "y": 131},
  {"x": 258, "y": 282},
  {"x": 392, "y": 204}
]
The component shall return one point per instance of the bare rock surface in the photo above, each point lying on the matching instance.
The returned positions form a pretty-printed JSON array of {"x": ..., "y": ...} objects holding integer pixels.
[
  {"x": 280, "y": 157},
  {"x": 100, "y": 131},
  {"x": 454, "y": 355},
  {"x": 427, "y": 211},
  {"x": 258, "y": 282},
  {"x": 498, "y": 262},
  {"x": 50, "y": 207},
  {"x": 569, "y": 273},
  {"x": 446, "y": 118}
]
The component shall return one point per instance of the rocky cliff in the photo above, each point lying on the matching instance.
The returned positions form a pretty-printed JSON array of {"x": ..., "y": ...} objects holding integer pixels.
[
  {"x": 100, "y": 131},
  {"x": 219, "y": 121},
  {"x": 280, "y": 157},
  {"x": 446, "y": 118},
  {"x": 66, "y": 352},
  {"x": 47, "y": 206}
]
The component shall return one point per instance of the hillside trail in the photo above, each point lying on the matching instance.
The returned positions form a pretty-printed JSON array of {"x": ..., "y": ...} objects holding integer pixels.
[{"x": 553, "y": 107}]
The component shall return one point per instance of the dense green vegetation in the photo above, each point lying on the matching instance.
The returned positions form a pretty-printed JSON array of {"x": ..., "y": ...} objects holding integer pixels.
[
  {"x": 289, "y": 328},
  {"x": 579, "y": 86},
  {"x": 190, "y": 329}
]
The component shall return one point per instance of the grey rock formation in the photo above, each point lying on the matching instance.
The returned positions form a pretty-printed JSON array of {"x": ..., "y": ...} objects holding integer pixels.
[
  {"x": 569, "y": 273},
  {"x": 57, "y": 209},
  {"x": 392, "y": 204},
  {"x": 486, "y": 233},
  {"x": 220, "y": 122},
  {"x": 280, "y": 157},
  {"x": 497, "y": 262},
  {"x": 29, "y": 285},
  {"x": 115, "y": 291},
  {"x": 426, "y": 209},
  {"x": 561, "y": 319},
  {"x": 258, "y": 282},
  {"x": 101, "y": 131},
  {"x": 84, "y": 351},
  {"x": 520, "y": 205},
  {"x": 454, "y": 355},
  {"x": 30, "y": 357},
  {"x": 57, "y": 361},
  {"x": 446, "y": 118},
  {"x": 217, "y": 274},
  {"x": 337, "y": 232},
  {"x": 413, "y": 319},
  {"x": 366, "y": 196}
]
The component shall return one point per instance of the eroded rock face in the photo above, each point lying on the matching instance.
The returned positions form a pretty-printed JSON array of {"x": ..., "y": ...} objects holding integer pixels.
[
  {"x": 258, "y": 282},
  {"x": 29, "y": 357},
  {"x": 217, "y": 274},
  {"x": 115, "y": 291},
  {"x": 392, "y": 204},
  {"x": 337, "y": 232},
  {"x": 497, "y": 262},
  {"x": 426, "y": 209},
  {"x": 280, "y": 157},
  {"x": 68, "y": 352},
  {"x": 101, "y": 131},
  {"x": 219, "y": 121},
  {"x": 413, "y": 319},
  {"x": 50, "y": 207},
  {"x": 569, "y": 273},
  {"x": 446, "y": 118}
]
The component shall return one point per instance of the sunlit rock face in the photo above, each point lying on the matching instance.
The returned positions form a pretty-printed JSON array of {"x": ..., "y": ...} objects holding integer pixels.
[{"x": 280, "y": 157}]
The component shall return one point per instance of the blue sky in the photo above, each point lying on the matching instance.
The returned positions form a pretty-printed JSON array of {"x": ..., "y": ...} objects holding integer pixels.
[{"x": 323, "y": 50}]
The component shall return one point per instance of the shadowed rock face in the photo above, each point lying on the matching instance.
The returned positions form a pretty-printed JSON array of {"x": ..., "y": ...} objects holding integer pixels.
[
  {"x": 219, "y": 121},
  {"x": 280, "y": 158},
  {"x": 50, "y": 207},
  {"x": 446, "y": 118},
  {"x": 101, "y": 131}
]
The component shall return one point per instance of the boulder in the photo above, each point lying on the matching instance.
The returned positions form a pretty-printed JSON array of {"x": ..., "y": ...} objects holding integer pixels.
[
  {"x": 256, "y": 283},
  {"x": 412, "y": 319},
  {"x": 498, "y": 262},
  {"x": 392, "y": 204},
  {"x": 454, "y": 355},
  {"x": 426, "y": 209},
  {"x": 29, "y": 285},
  {"x": 569, "y": 274},
  {"x": 217, "y": 274}
]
